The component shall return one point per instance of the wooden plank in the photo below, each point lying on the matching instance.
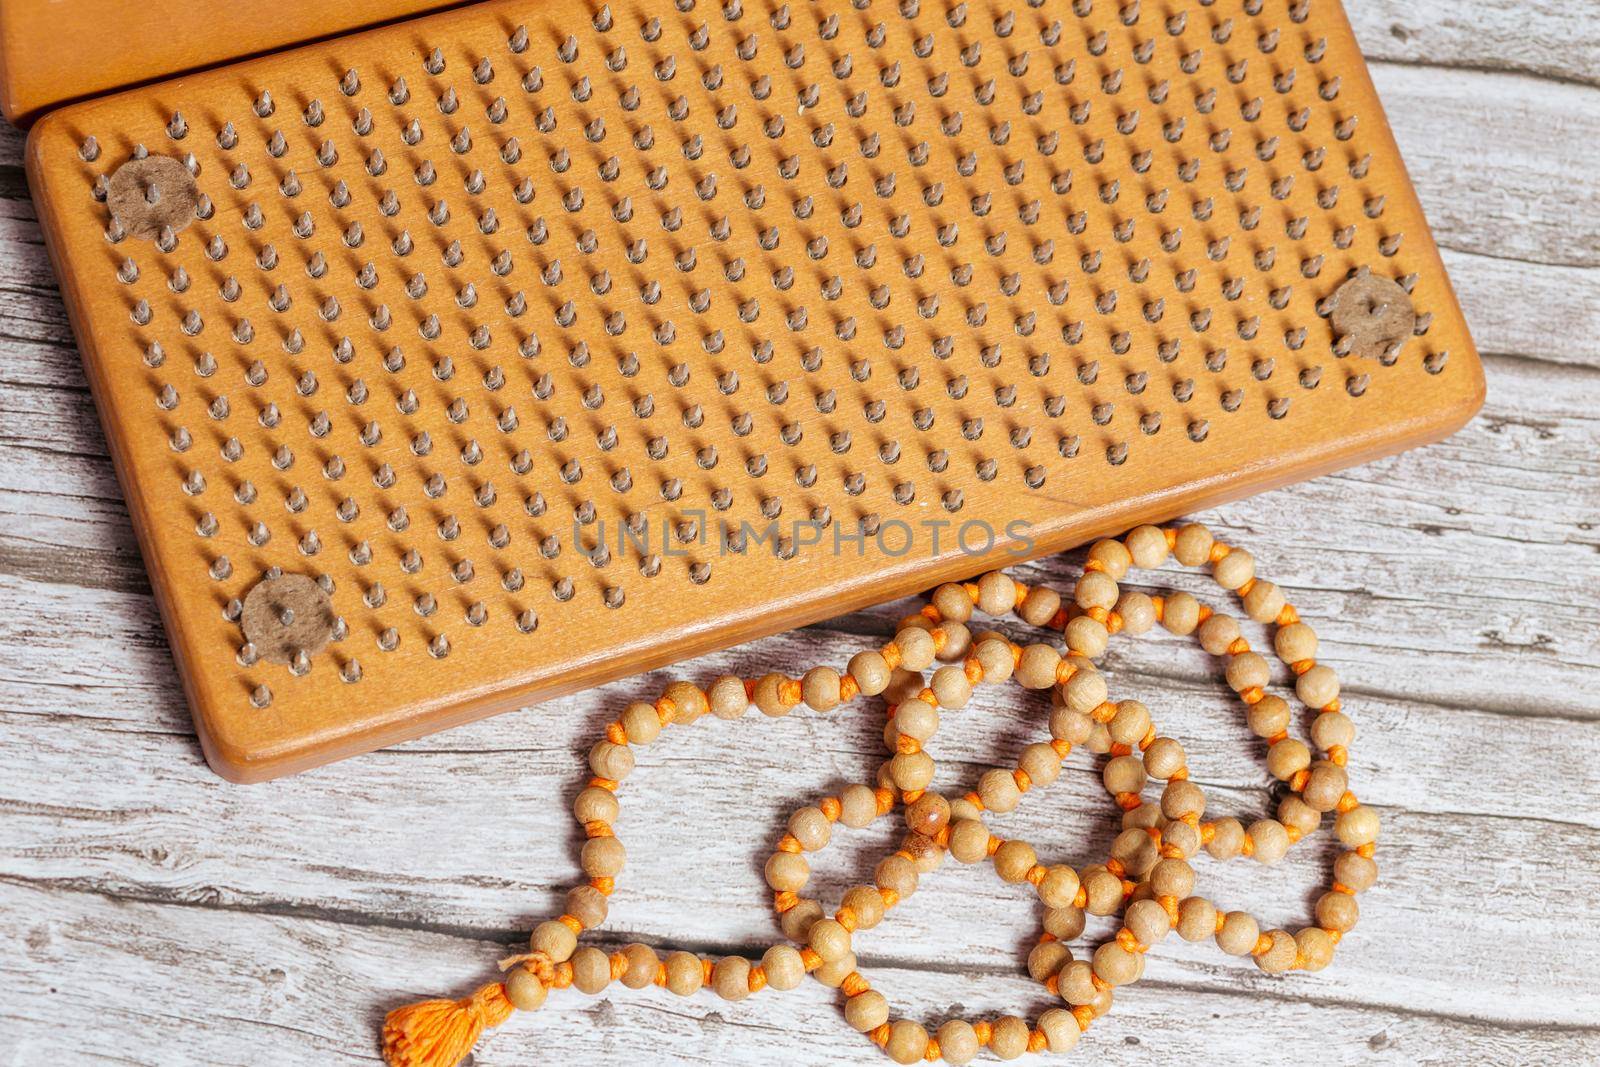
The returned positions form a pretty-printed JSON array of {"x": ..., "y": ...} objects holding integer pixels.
[
  {"x": 100, "y": 695},
  {"x": 1538, "y": 311},
  {"x": 469, "y": 831},
  {"x": 1524, "y": 200},
  {"x": 1556, "y": 40},
  {"x": 175, "y": 986}
]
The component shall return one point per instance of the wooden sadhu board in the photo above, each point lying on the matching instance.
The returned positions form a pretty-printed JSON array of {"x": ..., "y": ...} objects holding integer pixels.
[{"x": 495, "y": 354}]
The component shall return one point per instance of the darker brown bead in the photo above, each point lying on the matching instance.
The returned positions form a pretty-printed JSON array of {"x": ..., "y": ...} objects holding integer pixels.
[{"x": 929, "y": 814}]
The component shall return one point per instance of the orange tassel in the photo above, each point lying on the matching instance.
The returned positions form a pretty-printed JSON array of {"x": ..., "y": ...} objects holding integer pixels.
[{"x": 440, "y": 1033}]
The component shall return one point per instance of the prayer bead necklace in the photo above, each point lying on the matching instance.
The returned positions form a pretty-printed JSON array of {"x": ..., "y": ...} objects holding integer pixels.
[{"x": 1147, "y": 878}]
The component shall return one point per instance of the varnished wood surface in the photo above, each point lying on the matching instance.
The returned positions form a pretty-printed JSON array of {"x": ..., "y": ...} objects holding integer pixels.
[
  {"x": 961, "y": 383},
  {"x": 152, "y": 914}
]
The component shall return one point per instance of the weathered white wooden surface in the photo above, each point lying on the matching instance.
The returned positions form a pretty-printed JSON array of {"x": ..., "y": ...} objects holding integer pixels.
[{"x": 151, "y": 914}]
